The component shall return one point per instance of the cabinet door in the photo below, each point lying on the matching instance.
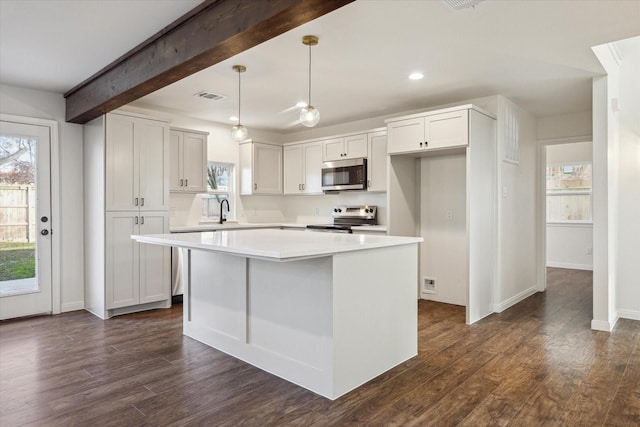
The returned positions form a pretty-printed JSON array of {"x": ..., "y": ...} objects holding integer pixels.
[
  {"x": 121, "y": 177},
  {"x": 194, "y": 160},
  {"x": 246, "y": 169},
  {"x": 152, "y": 137},
  {"x": 154, "y": 260},
  {"x": 377, "y": 161},
  {"x": 312, "y": 168},
  {"x": 405, "y": 135},
  {"x": 355, "y": 146},
  {"x": 267, "y": 169},
  {"x": 122, "y": 260},
  {"x": 333, "y": 149},
  {"x": 176, "y": 163},
  {"x": 447, "y": 129},
  {"x": 293, "y": 169}
]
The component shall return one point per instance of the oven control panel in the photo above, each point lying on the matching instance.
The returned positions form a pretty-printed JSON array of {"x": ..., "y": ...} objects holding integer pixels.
[{"x": 366, "y": 212}]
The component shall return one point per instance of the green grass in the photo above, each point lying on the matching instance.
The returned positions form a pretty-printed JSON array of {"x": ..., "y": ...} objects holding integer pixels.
[{"x": 17, "y": 260}]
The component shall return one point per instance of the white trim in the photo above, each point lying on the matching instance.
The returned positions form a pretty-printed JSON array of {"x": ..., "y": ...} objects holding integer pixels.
[
  {"x": 499, "y": 308},
  {"x": 569, "y": 265},
  {"x": 435, "y": 297},
  {"x": 567, "y": 140},
  {"x": 56, "y": 230},
  {"x": 602, "y": 325},
  {"x": 629, "y": 314},
  {"x": 571, "y": 224},
  {"x": 72, "y": 306}
]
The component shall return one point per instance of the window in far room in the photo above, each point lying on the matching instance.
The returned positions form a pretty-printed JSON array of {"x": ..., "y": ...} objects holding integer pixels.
[
  {"x": 569, "y": 192},
  {"x": 220, "y": 186}
]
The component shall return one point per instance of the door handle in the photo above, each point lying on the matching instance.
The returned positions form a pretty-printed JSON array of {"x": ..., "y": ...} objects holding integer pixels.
[{"x": 44, "y": 232}]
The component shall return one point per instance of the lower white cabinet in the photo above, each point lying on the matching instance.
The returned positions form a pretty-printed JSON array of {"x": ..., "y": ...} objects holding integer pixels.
[
  {"x": 136, "y": 273},
  {"x": 302, "y": 168}
]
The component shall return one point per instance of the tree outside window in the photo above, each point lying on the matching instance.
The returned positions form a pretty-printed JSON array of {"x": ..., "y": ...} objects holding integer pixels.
[{"x": 219, "y": 187}]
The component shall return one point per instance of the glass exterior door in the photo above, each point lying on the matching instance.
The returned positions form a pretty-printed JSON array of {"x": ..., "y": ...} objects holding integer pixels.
[{"x": 25, "y": 220}]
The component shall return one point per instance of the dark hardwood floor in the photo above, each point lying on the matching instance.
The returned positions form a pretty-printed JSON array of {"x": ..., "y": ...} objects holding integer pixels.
[{"x": 538, "y": 363}]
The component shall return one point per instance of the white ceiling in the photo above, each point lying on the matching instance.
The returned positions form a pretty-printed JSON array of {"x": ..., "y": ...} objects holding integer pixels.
[{"x": 535, "y": 52}]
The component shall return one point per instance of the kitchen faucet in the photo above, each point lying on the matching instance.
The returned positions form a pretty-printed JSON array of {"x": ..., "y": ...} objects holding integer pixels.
[{"x": 222, "y": 218}]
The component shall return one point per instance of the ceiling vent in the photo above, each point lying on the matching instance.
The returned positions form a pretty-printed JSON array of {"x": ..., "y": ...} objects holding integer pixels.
[
  {"x": 209, "y": 95},
  {"x": 462, "y": 4}
]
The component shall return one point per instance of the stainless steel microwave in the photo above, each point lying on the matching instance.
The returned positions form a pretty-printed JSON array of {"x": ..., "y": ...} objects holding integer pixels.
[{"x": 345, "y": 175}]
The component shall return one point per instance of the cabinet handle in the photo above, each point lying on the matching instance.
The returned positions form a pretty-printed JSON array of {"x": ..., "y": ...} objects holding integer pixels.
[
  {"x": 303, "y": 187},
  {"x": 135, "y": 201},
  {"x": 426, "y": 143},
  {"x": 186, "y": 182},
  {"x": 142, "y": 202},
  {"x": 421, "y": 144},
  {"x": 136, "y": 219},
  {"x": 368, "y": 183},
  {"x": 255, "y": 186},
  {"x": 181, "y": 182},
  {"x": 299, "y": 186},
  {"x": 142, "y": 220}
]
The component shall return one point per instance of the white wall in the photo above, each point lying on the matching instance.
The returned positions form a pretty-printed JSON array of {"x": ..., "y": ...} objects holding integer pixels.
[
  {"x": 564, "y": 126},
  {"x": 569, "y": 245},
  {"x": 443, "y": 254},
  {"x": 518, "y": 275},
  {"x": 51, "y": 106},
  {"x": 628, "y": 167}
]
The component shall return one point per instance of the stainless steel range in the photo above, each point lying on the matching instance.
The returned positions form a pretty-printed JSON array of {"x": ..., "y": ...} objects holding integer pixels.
[{"x": 344, "y": 217}]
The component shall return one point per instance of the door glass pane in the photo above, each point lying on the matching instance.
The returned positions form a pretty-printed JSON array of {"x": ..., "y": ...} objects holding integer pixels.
[{"x": 17, "y": 215}]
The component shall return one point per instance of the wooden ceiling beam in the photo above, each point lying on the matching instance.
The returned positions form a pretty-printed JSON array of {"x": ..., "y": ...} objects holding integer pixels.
[{"x": 212, "y": 32}]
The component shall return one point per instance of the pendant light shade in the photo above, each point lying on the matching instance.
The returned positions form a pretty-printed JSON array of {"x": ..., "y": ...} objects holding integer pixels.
[
  {"x": 309, "y": 115},
  {"x": 239, "y": 132}
]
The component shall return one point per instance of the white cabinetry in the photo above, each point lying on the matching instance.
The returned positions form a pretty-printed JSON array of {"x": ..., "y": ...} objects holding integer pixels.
[
  {"x": 447, "y": 193},
  {"x": 428, "y": 131},
  {"x": 260, "y": 168},
  {"x": 136, "y": 164},
  {"x": 302, "y": 168},
  {"x": 344, "y": 147},
  {"x": 188, "y": 161},
  {"x": 135, "y": 273},
  {"x": 377, "y": 161},
  {"x": 126, "y": 159}
]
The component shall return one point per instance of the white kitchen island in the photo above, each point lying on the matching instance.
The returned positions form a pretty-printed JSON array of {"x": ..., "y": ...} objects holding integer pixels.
[{"x": 326, "y": 311}]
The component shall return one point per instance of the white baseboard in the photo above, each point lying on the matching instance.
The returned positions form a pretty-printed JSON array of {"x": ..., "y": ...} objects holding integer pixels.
[
  {"x": 603, "y": 325},
  {"x": 436, "y": 298},
  {"x": 629, "y": 314},
  {"x": 72, "y": 306},
  {"x": 502, "y": 306},
  {"x": 569, "y": 265}
]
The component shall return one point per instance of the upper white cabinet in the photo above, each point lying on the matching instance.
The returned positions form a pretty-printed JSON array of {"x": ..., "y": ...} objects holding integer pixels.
[
  {"x": 429, "y": 131},
  {"x": 137, "y": 163},
  {"x": 377, "y": 161},
  {"x": 260, "y": 168},
  {"x": 302, "y": 168},
  {"x": 188, "y": 161},
  {"x": 344, "y": 147}
]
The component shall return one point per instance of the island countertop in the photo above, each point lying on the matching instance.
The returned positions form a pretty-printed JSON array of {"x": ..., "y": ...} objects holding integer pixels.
[{"x": 274, "y": 244}]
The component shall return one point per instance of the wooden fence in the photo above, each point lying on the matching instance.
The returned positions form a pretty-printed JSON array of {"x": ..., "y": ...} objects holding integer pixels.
[{"x": 17, "y": 213}]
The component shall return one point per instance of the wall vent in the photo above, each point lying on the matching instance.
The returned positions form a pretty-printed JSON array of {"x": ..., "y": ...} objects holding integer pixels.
[
  {"x": 429, "y": 285},
  {"x": 209, "y": 95},
  {"x": 462, "y": 4}
]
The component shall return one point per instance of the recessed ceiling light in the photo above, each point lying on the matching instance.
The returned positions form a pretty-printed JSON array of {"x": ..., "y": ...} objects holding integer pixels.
[
  {"x": 233, "y": 118},
  {"x": 416, "y": 75},
  {"x": 301, "y": 104}
]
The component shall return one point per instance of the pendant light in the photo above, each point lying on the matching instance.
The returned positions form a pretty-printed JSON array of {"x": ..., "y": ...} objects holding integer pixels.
[
  {"x": 309, "y": 115},
  {"x": 239, "y": 132}
]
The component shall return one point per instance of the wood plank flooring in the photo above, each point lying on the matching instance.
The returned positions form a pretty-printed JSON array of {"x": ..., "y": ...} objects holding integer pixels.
[{"x": 537, "y": 363}]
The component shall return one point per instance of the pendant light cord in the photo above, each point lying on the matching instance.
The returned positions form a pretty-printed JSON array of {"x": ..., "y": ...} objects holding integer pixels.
[
  {"x": 239, "y": 95},
  {"x": 309, "y": 105}
]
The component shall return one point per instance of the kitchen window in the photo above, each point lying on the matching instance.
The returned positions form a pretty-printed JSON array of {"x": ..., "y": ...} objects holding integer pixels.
[
  {"x": 569, "y": 193},
  {"x": 220, "y": 186}
]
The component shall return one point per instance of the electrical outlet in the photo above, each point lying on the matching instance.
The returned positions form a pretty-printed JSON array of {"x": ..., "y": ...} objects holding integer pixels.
[
  {"x": 589, "y": 251},
  {"x": 449, "y": 214}
]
